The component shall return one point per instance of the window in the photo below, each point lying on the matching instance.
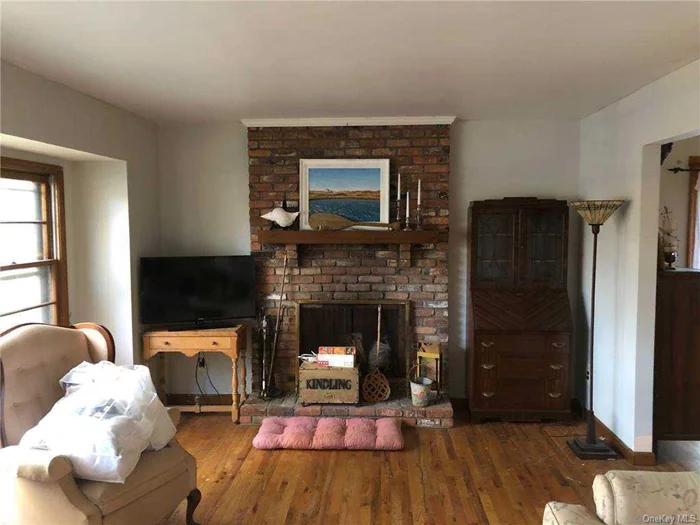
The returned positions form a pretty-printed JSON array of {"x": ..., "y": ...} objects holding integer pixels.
[{"x": 33, "y": 283}]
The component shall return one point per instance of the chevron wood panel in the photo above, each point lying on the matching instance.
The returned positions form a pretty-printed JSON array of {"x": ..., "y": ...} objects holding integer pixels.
[{"x": 535, "y": 310}]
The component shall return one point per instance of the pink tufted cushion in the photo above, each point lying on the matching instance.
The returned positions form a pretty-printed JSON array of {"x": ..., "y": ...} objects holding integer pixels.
[{"x": 329, "y": 433}]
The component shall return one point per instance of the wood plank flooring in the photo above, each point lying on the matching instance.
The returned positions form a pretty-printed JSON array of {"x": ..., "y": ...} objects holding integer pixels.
[{"x": 491, "y": 473}]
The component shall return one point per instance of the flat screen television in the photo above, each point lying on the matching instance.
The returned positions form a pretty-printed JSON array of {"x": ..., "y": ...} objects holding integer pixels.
[{"x": 196, "y": 290}]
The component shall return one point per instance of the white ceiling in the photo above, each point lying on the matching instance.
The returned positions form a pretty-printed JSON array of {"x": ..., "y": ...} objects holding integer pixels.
[{"x": 214, "y": 61}]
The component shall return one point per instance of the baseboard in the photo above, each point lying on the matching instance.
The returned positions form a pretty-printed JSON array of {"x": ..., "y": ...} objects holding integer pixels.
[
  {"x": 638, "y": 459},
  {"x": 206, "y": 399}
]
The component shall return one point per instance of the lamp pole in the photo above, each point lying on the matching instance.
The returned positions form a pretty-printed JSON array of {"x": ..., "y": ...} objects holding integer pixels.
[
  {"x": 595, "y": 213},
  {"x": 590, "y": 433},
  {"x": 591, "y": 448}
]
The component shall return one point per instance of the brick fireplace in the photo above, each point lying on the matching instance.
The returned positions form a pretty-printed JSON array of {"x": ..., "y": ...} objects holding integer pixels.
[{"x": 415, "y": 274}]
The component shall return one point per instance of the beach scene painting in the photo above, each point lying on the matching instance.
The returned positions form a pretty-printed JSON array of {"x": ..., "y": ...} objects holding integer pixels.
[{"x": 353, "y": 189}]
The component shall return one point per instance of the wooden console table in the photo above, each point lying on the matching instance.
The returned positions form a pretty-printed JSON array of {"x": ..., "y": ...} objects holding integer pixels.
[{"x": 228, "y": 341}]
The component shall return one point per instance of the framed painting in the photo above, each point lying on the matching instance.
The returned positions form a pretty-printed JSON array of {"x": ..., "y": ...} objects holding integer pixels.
[{"x": 343, "y": 191}]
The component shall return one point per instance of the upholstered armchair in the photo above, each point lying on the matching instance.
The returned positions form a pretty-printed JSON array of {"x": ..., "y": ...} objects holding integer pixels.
[
  {"x": 631, "y": 497},
  {"x": 38, "y": 487}
]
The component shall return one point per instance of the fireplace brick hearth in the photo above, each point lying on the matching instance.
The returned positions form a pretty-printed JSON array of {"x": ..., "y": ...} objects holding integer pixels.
[
  {"x": 439, "y": 414},
  {"x": 353, "y": 271}
]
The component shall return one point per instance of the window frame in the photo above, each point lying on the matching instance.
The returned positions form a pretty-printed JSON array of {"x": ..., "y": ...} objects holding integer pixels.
[{"x": 53, "y": 211}]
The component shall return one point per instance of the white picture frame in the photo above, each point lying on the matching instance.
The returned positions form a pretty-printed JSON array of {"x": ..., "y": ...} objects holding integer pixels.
[{"x": 334, "y": 176}]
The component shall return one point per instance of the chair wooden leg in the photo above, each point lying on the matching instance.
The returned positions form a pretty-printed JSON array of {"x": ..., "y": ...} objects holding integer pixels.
[{"x": 193, "y": 499}]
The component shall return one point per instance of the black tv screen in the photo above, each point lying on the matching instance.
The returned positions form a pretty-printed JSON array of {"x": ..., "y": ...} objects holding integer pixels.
[{"x": 196, "y": 289}]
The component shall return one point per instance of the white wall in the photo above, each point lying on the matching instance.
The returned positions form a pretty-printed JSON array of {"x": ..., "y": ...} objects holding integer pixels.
[
  {"x": 675, "y": 191},
  {"x": 38, "y": 109},
  {"x": 99, "y": 268},
  {"x": 620, "y": 148},
  {"x": 496, "y": 159},
  {"x": 203, "y": 211}
]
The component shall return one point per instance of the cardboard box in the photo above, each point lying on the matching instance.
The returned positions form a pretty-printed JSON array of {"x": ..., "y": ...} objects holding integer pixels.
[
  {"x": 342, "y": 350},
  {"x": 339, "y": 360},
  {"x": 320, "y": 384}
]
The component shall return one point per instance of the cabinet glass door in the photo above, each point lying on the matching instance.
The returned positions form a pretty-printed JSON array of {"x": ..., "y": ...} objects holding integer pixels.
[
  {"x": 543, "y": 261},
  {"x": 494, "y": 256}
]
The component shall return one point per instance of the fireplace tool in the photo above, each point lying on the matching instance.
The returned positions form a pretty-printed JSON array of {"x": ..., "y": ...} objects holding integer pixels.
[
  {"x": 263, "y": 331},
  {"x": 376, "y": 387},
  {"x": 275, "y": 335}
]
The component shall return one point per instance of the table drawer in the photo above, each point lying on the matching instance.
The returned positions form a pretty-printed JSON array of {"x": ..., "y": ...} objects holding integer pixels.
[{"x": 189, "y": 343}]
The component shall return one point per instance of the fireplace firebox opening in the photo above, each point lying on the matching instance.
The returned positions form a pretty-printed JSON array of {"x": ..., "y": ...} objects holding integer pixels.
[{"x": 354, "y": 323}]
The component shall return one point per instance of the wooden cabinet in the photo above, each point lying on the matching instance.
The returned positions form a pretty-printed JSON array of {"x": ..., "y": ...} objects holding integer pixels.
[
  {"x": 519, "y": 315},
  {"x": 519, "y": 245},
  {"x": 677, "y": 355}
]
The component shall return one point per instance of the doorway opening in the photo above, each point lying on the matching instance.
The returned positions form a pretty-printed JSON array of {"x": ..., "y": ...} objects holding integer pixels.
[{"x": 676, "y": 413}]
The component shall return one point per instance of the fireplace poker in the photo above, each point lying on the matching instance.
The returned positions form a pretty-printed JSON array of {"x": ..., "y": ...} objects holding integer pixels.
[
  {"x": 263, "y": 332},
  {"x": 275, "y": 336}
]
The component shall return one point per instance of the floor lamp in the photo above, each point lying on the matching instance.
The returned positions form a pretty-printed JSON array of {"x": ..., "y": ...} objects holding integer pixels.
[{"x": 595, "y": 213}]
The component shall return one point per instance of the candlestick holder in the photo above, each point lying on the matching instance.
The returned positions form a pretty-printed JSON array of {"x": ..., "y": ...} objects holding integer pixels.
[
  {"x": 419, "y": 219},
  {"x": 408, "y": 223},
  {"x": 398, "y": 211}
]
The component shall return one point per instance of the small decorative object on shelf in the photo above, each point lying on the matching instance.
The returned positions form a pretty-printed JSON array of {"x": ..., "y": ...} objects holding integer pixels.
[
  {"x": 419, "y": 217},
  {"x": 281, "y": 217},
  {"x": 334, "y": 223},
  {"x": 398, "y": 198},
  {"x": 408, "y": 213},
  {"x": 668, "y": 240}
]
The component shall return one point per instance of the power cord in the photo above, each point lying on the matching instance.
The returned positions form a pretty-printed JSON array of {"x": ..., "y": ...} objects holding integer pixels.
[
  {"x": 206, "y": 368},
  {"x": 196, "y": 376}
]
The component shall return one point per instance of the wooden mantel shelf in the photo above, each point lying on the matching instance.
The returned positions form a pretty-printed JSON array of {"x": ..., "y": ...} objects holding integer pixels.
[{"x": 347, "y": 237}]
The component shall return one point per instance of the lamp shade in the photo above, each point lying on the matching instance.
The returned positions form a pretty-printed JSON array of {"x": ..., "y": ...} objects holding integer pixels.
[{"x": 596, "y": 212}]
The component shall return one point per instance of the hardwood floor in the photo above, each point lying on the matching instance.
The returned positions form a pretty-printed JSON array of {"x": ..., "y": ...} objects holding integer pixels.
[
  {"x": 491, "y": 473},
  {"x": 685, "y": 452}
]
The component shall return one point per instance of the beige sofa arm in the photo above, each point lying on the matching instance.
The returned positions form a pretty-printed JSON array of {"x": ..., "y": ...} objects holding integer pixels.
[
  {"x": 36, "y": 486},
  {"x": 556, "y": 513},
  {"x": 628, "y": 496},
  {"x": 174, "y": 414},
  {"x": 40, "y": 465}
]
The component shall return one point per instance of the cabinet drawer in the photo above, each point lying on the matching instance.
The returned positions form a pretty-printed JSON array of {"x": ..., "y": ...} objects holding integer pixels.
[
  {"x": 510, "y": 393},
  {"x": 560, "y": 342},
  {"x": 189, "y": 343},
  {"x": 530, "y": 375},
  {"x": 523, "y": 342}
]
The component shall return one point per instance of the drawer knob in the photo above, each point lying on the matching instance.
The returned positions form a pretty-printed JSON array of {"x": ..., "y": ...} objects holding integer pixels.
[
  {"x": 214, "y": 343},
  {"x": 166, "y": 343},
  {"x": 556, "y": 367},
  {"x": 558, "y": 345},
  {"x": 555, "y": 394},
  {"x": 488, "y": 394},
  {"x": 487, "y": 366},
  {"x": 487, "y": 344}
]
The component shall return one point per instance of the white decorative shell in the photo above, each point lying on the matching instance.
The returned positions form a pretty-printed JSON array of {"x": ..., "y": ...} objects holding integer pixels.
[{"x": 282, "y": 217}]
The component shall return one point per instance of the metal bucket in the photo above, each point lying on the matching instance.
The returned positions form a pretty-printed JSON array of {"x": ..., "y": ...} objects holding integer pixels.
[{"x": 420, "y": 391}]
